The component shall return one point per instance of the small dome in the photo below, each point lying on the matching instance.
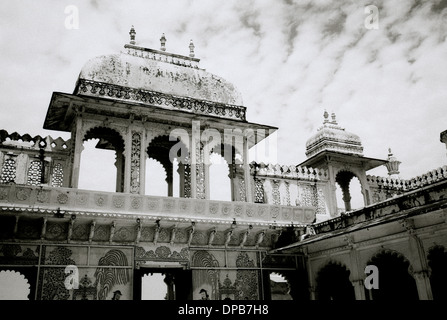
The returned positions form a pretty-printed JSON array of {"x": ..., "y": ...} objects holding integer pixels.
[
  {"x": 332, "y": 137},
  {"x": 153, "y": 70}
]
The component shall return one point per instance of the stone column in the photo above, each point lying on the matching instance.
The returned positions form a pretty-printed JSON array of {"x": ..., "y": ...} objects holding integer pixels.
[
  {"x": 346, "y": 197},
  {"x": 247, "y": 177},
  {"x": 194, "y": 138},
  {"x": 357, "y": 276},
  {"x": 119, "y": 164},
  {"x": 169, "y": 179},
  {"x": 181, "y": 172},
  {"x": 143, "y": 157},
  {"x": 206, "y": 164},
  {"x": 418, "y": 262},
  {"x": 423, "y": 285},
  {"x": 332, "y": 198},
  {"x": 78, "y": 147},
  {"x": 310, "y": 276}
]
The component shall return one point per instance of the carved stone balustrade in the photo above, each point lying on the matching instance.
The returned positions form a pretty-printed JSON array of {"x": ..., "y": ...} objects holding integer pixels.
[{"x": 109, "y": 204}]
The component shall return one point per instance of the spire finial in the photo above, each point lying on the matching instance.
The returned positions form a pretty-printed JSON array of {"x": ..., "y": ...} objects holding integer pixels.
[
  {"x": 163, "y": 42},
  {"x": 191, "y": 49},
  {"x": 326, "y": 116},
  {"x": 334, "y": 121},
  {"x": 132, "y": 35}
]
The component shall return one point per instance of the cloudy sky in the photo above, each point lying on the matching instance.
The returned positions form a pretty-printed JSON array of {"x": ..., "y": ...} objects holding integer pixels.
[{"x": 290, "y": 60}]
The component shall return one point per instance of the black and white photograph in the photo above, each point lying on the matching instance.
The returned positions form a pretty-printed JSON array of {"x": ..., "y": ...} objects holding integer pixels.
[{"x": 280, "y": 152}]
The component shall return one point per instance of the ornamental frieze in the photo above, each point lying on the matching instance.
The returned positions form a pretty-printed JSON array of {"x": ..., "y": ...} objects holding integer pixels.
[{"x": 159, "y": 99}]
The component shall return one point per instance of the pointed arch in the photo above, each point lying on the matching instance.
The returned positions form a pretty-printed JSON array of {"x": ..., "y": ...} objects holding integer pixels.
[
  {"x": 14, "y": 286},
  {"x": 333, "y": 282},
  {"x": 172, "y": 155},
  {"x": 225, "y": 173},
  {"x": 103, "y": 154},
  {"x": 395, "y": 277},
  {"x": 349, "y": 190}
]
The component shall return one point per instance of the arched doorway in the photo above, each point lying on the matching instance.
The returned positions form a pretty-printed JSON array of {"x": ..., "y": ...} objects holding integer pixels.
[
  {"x": 437, "y": 261},
  {"x": 225, "y": 173},
  {"x": 102, "y": 161},
  {"x": 348, "y": 191},
  {"x": 169, "y": 159},
  {"x": 170, "y": 284},
  {"x": 395, "y": 281},
  {"x": 14, "y": 286},
  {"x": 333, "y": 283}
]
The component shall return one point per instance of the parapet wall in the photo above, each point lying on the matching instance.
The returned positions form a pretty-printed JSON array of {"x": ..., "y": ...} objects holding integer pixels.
[
  {"x": 34, "y": 160},
  {"x": 290, "y": 186},
  {"x": 384, "y": 188}
]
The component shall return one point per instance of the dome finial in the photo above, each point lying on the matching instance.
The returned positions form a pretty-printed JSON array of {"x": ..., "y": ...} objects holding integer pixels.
[
  {"x": 132, "y": 35},
  {"x": 163, "y": 42},
  {"x": 334, "y": 121},
  {"x": 191, "y": 49},
  {"x": 326, "y": 116}
]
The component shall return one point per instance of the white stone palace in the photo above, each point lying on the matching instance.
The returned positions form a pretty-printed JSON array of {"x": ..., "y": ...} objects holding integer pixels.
[{"x": 64, "y": 242}]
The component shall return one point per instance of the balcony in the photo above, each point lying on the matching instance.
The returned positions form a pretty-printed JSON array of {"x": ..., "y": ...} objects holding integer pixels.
[{"x": 123, "y": 205}]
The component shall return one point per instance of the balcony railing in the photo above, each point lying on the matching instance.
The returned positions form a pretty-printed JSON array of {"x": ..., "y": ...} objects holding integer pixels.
[{"x": 77, "y": 201}]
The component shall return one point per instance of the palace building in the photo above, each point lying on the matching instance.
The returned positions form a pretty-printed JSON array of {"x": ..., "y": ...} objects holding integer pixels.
[{"x": 284, "y": 235}]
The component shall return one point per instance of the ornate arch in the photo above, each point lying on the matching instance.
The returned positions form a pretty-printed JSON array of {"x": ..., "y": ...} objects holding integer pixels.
[
  {"x": 343, "y": 178},
  {"x": 108, "y": 137},
  {"x": 15, "y": 279},
  {"x": 392, "y": 253},
  {"x": 396, "y": 276},
  {"x": 333, "y": 282}
]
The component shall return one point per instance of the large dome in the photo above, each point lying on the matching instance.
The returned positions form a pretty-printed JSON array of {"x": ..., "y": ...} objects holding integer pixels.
[
  {"x": 156, "y": 71},
  {"x": 332, "y": 137}
]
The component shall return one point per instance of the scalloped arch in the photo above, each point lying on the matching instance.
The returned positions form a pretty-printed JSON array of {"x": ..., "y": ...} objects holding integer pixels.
[
  {"x": 14, "y": 286},
  {"x": 393, "y": 253},
  {"x": 98, "y": 132}
]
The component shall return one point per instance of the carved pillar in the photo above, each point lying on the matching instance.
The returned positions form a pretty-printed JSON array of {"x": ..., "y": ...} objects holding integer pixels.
[
  {"x": 359, "y": 289},
  {"x": 181, "y": 173},
  {"x": 169, "y": 280},
  {"x": 247, "y": 177},
  {"x": 194, "y": 138},
  {"x": 423, "y": 285},
  {"x": 346, "y": 197},
  {"x": 127, "y": 157},
  {"x": 206, "y": 168},
  {"x": 356, "y": 276},
  {"x": 343, "y": 179},
  {"x": 169, "y": 180},
  {"x": 119, "y": 164},
  {"x": 135, "y": 162},
  {"x": 78, "y": 140},
  {"x": 143, "y": 157},
  {"x": 310, "y": 276},
  {"x": 418, "y": 262}
]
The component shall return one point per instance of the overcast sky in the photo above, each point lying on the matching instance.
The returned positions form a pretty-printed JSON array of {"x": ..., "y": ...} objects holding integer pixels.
[{"x": 290, "y": 60}]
